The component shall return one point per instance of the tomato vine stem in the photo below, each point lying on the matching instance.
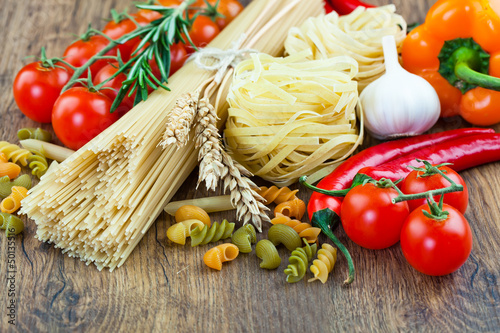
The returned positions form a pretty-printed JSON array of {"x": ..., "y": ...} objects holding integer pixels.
[{"x": 157, "y": 37}]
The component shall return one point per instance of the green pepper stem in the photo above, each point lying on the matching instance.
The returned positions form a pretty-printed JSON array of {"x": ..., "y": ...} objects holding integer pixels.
[
  {"x": 339, "y": 193},
  {"x": 464, "y": 72},
  {"x": 343, "y": 249},
  {"x": 327, "y": 220},
  {"x": 465, "y": 65}
]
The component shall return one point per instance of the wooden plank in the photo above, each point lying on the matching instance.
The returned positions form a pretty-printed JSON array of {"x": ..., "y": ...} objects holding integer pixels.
[{"x": 163, "y": 287}]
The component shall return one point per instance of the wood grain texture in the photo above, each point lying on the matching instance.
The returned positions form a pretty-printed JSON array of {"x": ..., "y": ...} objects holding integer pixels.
[{"x": 163, "y": 287}]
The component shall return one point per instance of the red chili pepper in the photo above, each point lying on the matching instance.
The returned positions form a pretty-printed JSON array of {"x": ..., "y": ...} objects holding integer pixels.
[
  {"x": 463, "y": 153},
  {"x": 344, "y": 7},
  {"x": 341, "y": 178},
  {"x": 324, "y": 210},
  {"x": 328, "y": 7}
]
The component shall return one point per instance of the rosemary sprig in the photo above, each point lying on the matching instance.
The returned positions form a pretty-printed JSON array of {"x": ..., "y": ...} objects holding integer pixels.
[{"x": 157, "y": 37}]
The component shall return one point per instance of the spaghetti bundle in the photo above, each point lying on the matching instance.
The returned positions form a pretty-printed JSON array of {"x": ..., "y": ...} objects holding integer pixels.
[
  {"x": 358, "y": 35},
  {"x": 98, "y": 204},
  {"x": 291, "y": 116}
]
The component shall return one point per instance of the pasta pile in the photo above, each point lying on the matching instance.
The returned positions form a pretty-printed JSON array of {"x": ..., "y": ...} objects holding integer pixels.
[
  {"x": 358, "y": 35},
  {"x": 98, "y": 204},
  {"x": 291, "y": 116}
]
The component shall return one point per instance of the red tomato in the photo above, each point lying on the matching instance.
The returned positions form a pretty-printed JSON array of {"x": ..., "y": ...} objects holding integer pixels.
[
  {"x": 415, "y": 183},
  {"x": 229, "y": 8},
  {"x": 79, "y": 52},
  {"x": 178, "y": 56},
  {"x": 115, "y": 83},
  {"x": 148, "y": 15},
  {"x": 79, "y": 115},
  {"x": 202, "y": 32},
  {"x": 116, "y": 30},
  {"x": 436, "y": 247},
  {"x": 36, "y": 89},
  {"x": 369, "y": 217}
]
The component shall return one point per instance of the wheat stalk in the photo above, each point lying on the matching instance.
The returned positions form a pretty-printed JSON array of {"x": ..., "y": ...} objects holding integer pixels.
[
  {"x": 249, "y": 204},
  {"x": 180, "y": 120},
  {"x": 207, "y": 139}
]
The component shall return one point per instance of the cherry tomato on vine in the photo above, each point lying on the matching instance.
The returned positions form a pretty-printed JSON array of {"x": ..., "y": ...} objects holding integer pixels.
[
  {"x": 148, "y": 15},
  {"x": 116, "y": 30},
  {"x": 202, "y": 32},
  {"x": 115, "y": 83},
  {"x": 178, "y": 56},
  {"x": 36, "y": 89},
  {"x": 436, "y": 247},
  {"x": 228, "y": 8},
  {"x": 79, "y": 115},
  {"x": 79, "y": 52},
  {"x": 416, "y": 183},
  {"x": 369, "y": 217}
]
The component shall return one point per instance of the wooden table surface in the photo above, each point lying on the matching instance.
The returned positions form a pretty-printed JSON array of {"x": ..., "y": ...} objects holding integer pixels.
[{"x": 163, "y": 287}]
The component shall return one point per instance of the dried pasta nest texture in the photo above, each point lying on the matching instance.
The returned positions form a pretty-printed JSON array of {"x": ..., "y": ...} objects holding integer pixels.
[
  {"x": 292, "y": 116},
  {"x": 358, "y": 35}
]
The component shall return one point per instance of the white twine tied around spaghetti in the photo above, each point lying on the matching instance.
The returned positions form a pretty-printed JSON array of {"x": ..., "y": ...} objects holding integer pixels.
[{"x": 222, "y": 59}]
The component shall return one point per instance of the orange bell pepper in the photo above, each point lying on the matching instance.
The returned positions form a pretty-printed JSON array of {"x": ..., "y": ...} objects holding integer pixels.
[{"x": 457, "y": 50}]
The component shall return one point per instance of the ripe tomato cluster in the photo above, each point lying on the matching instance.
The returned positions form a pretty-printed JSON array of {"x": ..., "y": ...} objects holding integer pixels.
[
  {"x": 433, "y": 246},
  {"x": 81, "y": 113}
]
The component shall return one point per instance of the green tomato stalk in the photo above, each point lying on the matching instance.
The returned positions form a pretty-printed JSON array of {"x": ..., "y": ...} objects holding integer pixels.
[{"x": 159, "y": 35}]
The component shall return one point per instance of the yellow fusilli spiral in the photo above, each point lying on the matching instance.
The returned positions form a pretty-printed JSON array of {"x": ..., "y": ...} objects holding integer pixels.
[
  {"x": 293, "y": 208},
  {"x": 298, "y": 262},
  {"x": 38, "y": 164},
  {"x": 14, "y": 153},
  {"x": 13, "y": 202},
  {"x": 214, "y": 257},
  {"x": 305, "y": 230},
  {"x": 275, "y": 194},
  {"x": 321, "y": 267}
]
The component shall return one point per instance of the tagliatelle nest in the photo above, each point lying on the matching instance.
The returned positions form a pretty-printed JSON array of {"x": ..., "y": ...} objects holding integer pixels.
[
  {"x": 358, "y": 35},
  {"x": 291, "y": 116}
]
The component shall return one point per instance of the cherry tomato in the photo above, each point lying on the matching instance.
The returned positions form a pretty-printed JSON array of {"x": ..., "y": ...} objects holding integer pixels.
[
  {"x": 416, "y": 183},
  {"x": 115, "y": 83},
  {"x": 178, "y": 56},
  {"x": 116, "y": 30},
  {"x": 369, "y": 217},
  {"x": 79, "y": 115},
  {"x": 79, "y": 52},
  {"x": 436, "y": 247},
  {"x": 36, "y": 89},
  {"x": 202, "y": 32},
  {"x": 228, "y": 8},
  {"x": 148, "y": 15}
]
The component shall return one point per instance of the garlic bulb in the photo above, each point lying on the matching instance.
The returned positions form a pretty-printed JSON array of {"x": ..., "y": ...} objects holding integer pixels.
[{"x": 398, "y": 103}]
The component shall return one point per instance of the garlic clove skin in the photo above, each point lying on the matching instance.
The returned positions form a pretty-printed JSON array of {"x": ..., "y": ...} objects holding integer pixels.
[{"x": 399, "y": 103}]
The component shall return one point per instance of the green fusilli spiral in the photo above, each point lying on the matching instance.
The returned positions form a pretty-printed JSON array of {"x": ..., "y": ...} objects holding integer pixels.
[
  {"x": 211, "y": 234},
  {"x": 38, "y": 164},
  {"x": 34, "y": 133},
  {"x": 299, "y": 260}
]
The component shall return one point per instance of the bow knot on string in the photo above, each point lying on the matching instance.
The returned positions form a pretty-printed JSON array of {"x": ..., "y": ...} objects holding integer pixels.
[{"x": 214, "y": 59}]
